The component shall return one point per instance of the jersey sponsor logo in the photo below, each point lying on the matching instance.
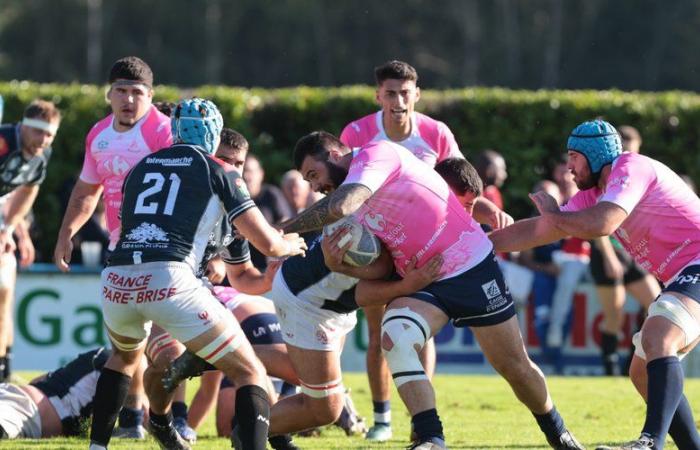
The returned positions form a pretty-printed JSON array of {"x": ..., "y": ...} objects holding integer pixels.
[
  {"x": 692, "y": 279},
  {"x": 117, "y": 165},
  {"x": 4, "y": 147},
  {"x": 375, "y": 221},
  {"x": 204, "y": 315},
  {"x": 623, "y": 182},
  {"x": 134, "y": 147},
  {"x": 322, "y": 336},
  {"x": 171, "y": 162},
  {"x": 491, "y": 289},
  {"x": 103, "y": 144},
  {"x": 147, "y": 235}
]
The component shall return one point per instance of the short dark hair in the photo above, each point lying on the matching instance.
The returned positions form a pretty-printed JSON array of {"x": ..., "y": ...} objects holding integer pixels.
[
  {"x": 460, "y": 176},
  {"x": 629, "y": 133},
  {"x": 131, "y": 68},
  {"x": 234, "y": 139},
  {"x": 395, "y": 70},
  {"x": 318, "y": 145},
  {"x": 165, "y": 107},
  {"x": 42, "y": 109}
]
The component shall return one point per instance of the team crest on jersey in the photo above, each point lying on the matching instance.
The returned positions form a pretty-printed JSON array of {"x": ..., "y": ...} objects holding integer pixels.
[
  {"x": 242, "y": 188},
  {"x": 375, "y": 222},
  {"x": 4, "y": 147},
  {"x": 491, "y": 289},
  {"x": 147, "y": 235},
  {"x": 103, "y": 144}
]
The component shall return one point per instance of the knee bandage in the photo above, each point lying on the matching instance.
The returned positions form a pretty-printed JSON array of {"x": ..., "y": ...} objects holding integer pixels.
[
  {"x": 322, "y": 390},
  {"x": 226, "y": 343},
  {"x": 157, "y": 344},
  {"x": 408, "y": 332},
  {"x": 671, "y": 308},
  {"x": 123, "y": 346}
]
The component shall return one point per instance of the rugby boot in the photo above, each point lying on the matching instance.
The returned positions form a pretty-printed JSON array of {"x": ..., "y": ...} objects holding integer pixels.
[
  {"x": 379, "y": 432},
  {"x": 434, "y": 443},
  {"x": 167, "y": 437},
  {"x": 136, "y": 432},
  {"x": 350, "y": 420},
  {"x": 566, "y": 441},
  {"x": 643, "y": 443},
  {"x": 184, "y": 430},
  {"x": 282, "y": 442},
  {"x": 187, "y": 365}
]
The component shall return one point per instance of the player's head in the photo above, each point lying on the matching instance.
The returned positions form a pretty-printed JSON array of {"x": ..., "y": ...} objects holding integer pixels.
[
  {"x": 253, "y": 174},
  {"x": 39, "y": 127},
  {"x": 397, "y": 91},
  {"x": 198, "y": 122},
  {"x": 462, "y": 179},
  {"x": 631, "y": 139},
  {"x": 131, "y": 90},
  {"x": 319, "y": 158},
  {"x": 491, "y": 167},
  {"x": 592, "y": 146},
  {"x": 295, "y": 189},
  {"x": 233, "y": 149}
]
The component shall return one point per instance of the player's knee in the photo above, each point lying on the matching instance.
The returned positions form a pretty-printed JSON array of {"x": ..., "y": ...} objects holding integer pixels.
[
  {"x": 8, "y": 271},
  {"x": 324, "y": 401},
  {"x": 404, "y": 334}
]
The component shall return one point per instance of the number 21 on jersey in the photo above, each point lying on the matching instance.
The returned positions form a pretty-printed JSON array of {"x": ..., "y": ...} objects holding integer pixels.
[{"x": 152, "y": 207}]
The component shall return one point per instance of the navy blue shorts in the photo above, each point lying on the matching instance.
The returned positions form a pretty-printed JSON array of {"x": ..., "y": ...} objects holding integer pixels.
[
  {"x": 476, "y": 298},
  {"x": 263, "y": 329},
  {"x": 687, "y": 283}
]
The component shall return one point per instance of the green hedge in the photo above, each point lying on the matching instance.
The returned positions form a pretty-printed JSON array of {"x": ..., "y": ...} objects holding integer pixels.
[{"x": 528, "y": 127}]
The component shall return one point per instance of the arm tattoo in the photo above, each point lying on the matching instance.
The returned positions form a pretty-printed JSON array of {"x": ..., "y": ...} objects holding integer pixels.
[{"x": 344, "y": 201}]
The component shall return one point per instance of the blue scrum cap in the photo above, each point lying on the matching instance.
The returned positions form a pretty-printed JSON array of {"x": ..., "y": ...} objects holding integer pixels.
[
  {"x": 598, "y": 141},
  {"x": 197, "y": 121}
]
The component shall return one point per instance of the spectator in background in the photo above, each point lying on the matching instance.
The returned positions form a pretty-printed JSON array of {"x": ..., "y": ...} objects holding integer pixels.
[
  {"x": 615, "y": 273},
  {"x": 25, "y": 149},
  {"x": 268, "y": 198},
  {"x": 492, "y": 169},
  {"x": 572, "y": 259},
  {"x": 544, "y": 283},
  {"x": 297, "y": 191}
]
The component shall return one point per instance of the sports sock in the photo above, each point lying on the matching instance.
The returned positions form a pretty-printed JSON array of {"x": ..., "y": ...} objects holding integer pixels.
[
  {"x": 160, "y": 420},
  {"x": 665, "y": 389},
  {"x": 110, "y": 393},
  {"x": 683, "y": 429},
  {"x": 8, "y": 360},
  {"x": 382, "y": 412},
  {"x": 611, "y": 360},
  {"x": 252, "y": 416},
  {"x": 551, "y": 424},
  {"x": 130, "y": 417},
  {"x": 426, "y": 424},
  {"x": 282, "y": 442},
  {"x": 179, "y": 409}
]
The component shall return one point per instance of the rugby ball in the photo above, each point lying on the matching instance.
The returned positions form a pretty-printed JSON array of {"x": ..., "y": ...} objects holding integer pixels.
[{"x": 365, "y": 247}]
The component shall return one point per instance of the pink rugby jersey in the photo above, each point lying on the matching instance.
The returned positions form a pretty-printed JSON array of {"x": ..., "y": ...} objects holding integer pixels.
[
  {"x": 662, "y": 229},
  {"x": 110, "y": 155},
  {"x": 413, "y": 211},
  {"x": 430, "y": 140}
]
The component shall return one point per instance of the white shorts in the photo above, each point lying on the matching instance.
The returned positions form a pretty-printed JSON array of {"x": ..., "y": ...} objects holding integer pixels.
[
  {"x": 304, "y": 324},
  {"x": 19, "y": 415},
  {"x": 671, "y": 308},
  {"x": 167, "y": 293}
]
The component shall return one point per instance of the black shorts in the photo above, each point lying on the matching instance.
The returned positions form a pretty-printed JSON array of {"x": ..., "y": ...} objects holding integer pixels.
[
  {"x": 476, "y": 298},
  {"x": 632, "y": 271},
  {"x": 687, "y": 283}
]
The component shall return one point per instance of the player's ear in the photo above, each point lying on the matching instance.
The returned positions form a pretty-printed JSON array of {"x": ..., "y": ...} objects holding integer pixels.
[
  {"x": 335, "y": 155},
  {"x": 417, "y": 94},
  {"x": 376, "y": 96}
]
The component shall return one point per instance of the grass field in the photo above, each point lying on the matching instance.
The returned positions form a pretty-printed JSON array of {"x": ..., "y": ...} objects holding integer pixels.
[{"x": 478, "y": 412}]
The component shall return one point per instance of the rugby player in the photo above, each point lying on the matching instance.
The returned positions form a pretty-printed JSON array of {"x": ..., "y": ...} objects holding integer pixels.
[
  {"x": 172, "y": 201},
  {"x": 656, "y": 218},
  {"x": 417, "y": 217}
]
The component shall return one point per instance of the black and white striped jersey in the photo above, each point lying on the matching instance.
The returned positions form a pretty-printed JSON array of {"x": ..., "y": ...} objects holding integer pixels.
[
  {"x": 173, "y": 199},
  {"x": 71, "y": 389}
]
